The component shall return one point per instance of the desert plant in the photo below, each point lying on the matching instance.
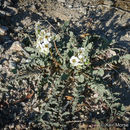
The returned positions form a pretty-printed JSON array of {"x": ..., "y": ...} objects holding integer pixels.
[{"x": 72, "y": 69}]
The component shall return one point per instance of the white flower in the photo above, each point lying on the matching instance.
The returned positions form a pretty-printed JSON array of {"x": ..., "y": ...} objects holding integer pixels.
[
  {"x": 46, "y": 44},
  {"x": 42, "y": 48},
  {"x": 81, "y": 51},
  {"x": 47, "y": 37},
  {"x": 39, "y": 47},
  {"x": 46, "y": 51},
  {"x": 40, "y": 40},
  {"x": 45, "y": 47},
  {"x": 74, "y": 61},
  {"x": 82, "y": 58},
  {"x": 42, "y": 33},
  {"x": 81, "y": 55}
]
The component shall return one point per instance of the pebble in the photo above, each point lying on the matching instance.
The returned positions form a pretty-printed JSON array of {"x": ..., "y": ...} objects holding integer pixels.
[
  {"x": 108, "y": 2},
  {"x": 69, "y": 6},
  {"x": 0, "y": 67},
  {"x": 4, "y": 13},
  {"x": 18, "y": 127},
  {"x": 1, "y": 48},
  {"x": 83, "y": 10},
  {"x": 82, "y": 116},
  {"x": 126, "y": 119},
  {"x": 11, "y": 126},
  {"x": 110, "y": 53},
  {"x": 12, "y": 10},
  {"x": 4, "y": 62},
  {"x": 33, "y": 8},
  {"x": 3, "y": 30},
  {"x": 18, "y": 29},
  {"x": 23, "y": 104},
  {"x": 26, "y": 21},
  {"x": 36, "y": 109},
  {"x": 16, "y": 46},
  {"x": 61, "y": 1},
  {"x": 6, "y": 3},
  {"x": 16, "y": 59},
  {"x": 12, "y": 65}
]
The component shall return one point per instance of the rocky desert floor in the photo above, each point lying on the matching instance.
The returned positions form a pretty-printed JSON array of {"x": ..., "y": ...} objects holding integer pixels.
[{"x": 107, "y": 18}]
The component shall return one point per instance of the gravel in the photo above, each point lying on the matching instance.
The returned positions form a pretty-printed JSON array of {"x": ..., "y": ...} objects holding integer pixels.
[{"x": 17, "y": 112}]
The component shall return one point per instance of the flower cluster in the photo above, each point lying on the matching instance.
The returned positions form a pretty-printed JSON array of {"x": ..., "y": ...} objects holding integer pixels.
[
  {"x": 79, "y": 59},
  {"x": 43, "y": 41}
]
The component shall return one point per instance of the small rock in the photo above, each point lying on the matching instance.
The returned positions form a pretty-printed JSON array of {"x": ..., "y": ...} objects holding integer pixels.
[
  {"x": 18, "y": 127},
  {"x": 3, "y": 30},
  {"x": 83, "y": 10},
  {"x": 28, "y": 61},
  {"x": 23, "y": 104},
  {"x": 12, "y": 65},
  {"x": 16, "y": 59},
  {"x": 61, "y": 1},
  {"x": 110, "y": 53},
  {"x": 1, "y": 48},
  {"x": 33, "y": 8},
  {"x": 6, "y": 3},
  {"x": 82, "y": 116},
  {"x": 69, "y": 6},
  {"x": 0, "y": 3},
  {"x": 26, "y": 21},
  {"x": 18, "y": 29},
  {"x": 108, "y": 2},
  {"x": 11, "y": 126},
  {"x": 0, "y": 67},
  {"x": 17, "y": 23},
  {"x": 126, "y": 119},
  {"x": 12, "y": 10},
  {"x": 16, "y": 46},
  {"x": 95, "y": 95},
  {"x": 4, "y": 62},
  {"x": 36, "y": 109},
  {"x": 127, "y": 35},
  {"x": 7, "y": 42},
  {"x": 4, "y": 13}
]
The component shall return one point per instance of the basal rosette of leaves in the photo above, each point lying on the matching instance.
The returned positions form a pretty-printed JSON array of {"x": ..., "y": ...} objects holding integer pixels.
[{"x": 71, "y": 70}]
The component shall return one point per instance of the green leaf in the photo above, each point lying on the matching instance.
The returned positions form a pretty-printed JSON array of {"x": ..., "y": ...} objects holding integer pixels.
[
  {"x": 85, "y": 41},
  {"x": 65, "y": 113},
  {"x": 41, "y": 63},
  {"x": 29, "y": 49},
  {"x": 89, "y": 46},
  {"x": 126, "y": 57},
  {"x": 32, "y": 56},
  {"x": 99, "y": 72},
  {"x": 75, "y": 49},
  {"x": 71, "y": 34},
  {"x": 57, "y": 38},
  {"x": 66, "y": 23},
  {"x": 81, "y": 78},
  {"x": 115, "y": 105},
  {"x": 54, "y": 102},
  {"x": 56, "y": 124},
  {"x": 123, "y": 108}
]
